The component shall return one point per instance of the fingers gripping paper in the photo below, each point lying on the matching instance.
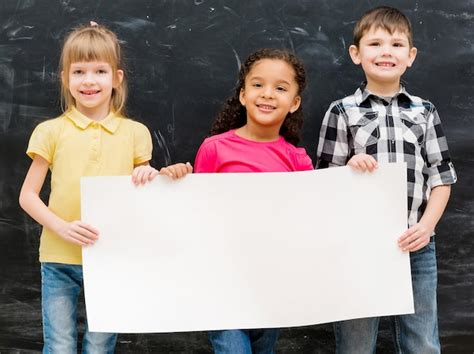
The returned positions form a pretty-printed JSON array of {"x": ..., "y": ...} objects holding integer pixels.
[{"x": 222, "y": 251}]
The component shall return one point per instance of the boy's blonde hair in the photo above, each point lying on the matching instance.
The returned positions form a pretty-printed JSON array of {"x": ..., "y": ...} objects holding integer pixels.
[
  {"x": 93, "y": 43},
  {"x": 385, "y": 17}
]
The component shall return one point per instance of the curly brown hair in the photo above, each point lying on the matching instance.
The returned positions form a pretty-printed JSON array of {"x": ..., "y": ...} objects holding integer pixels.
[{"x": 233, "y": 115}]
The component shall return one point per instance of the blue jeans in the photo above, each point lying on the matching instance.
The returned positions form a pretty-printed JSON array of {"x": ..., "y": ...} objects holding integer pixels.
[
  {"x": 244, "y": 341},
  {"x": 60, "y": 288},
  {"x": 416, "y": 333}
]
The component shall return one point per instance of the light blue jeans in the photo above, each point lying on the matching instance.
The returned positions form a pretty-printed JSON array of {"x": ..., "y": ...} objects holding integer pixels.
[
  {"x": 244, "y": 341},
  {"x": 416, "y": 333},
  {"x": 60, "y": 288}
]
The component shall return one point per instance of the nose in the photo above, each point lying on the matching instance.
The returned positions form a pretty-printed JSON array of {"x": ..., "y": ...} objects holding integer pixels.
[
  {"x": 88, "y": 78},
  {"x": 267, "y": 92},
  {"x": 387, "y": 50}
]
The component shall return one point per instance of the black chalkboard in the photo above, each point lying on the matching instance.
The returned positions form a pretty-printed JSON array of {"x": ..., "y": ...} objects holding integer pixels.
[{"x": 183, "y": 57}]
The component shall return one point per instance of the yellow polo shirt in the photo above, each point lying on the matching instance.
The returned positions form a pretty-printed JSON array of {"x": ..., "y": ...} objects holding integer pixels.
[{"x": 77, "y": 146}]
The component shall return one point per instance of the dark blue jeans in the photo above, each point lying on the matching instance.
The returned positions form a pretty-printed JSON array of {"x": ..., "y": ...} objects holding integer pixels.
[
  {"x": 60, "y": 288},
  {"x": 416, "y": 333},
  {"x": 244, "y": 341}
]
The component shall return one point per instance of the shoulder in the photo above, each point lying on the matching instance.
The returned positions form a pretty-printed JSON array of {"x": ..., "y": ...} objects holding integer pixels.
[
  {"x": 50, "y": 126},
  {"x": 137, "y": 129},
  {"x": 300, "y": 151},
  {"x": 299, "y": 156},
  {"x": 229, "y": 135},
  {"x": 343, "y": 106},
  {"x": 52, "y": 123},
  {"x": 133, "y": 124},
  {"x": 215, "y": 140},
  {"x": 421, "y": 105},
  {"x": 209, "y": 152}
]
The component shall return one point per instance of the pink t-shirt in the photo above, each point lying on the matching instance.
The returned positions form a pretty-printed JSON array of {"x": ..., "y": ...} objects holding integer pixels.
[{"x": 229, "y": 152}]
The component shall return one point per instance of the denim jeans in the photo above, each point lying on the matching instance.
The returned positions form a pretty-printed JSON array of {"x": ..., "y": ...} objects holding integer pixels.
[
  {"x": 416, "y": 333},
  {"x": 60, "y": 288},
  {"x": 244, "y": 341}
]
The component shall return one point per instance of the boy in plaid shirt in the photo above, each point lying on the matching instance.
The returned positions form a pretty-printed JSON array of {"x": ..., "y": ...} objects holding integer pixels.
[{"x": 382, "y": 122}]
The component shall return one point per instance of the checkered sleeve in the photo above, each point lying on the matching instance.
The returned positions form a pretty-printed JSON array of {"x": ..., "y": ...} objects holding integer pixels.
[
  {"x": 333, "y": 148},
  {"x": 438, "y": 165}
]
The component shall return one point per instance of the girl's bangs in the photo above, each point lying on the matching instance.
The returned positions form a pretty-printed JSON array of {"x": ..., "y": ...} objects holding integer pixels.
[{"x": 91, "y": 48}]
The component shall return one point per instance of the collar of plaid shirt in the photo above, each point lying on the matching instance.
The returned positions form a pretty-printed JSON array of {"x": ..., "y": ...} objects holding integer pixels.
[{"x": 362, "y": 94}]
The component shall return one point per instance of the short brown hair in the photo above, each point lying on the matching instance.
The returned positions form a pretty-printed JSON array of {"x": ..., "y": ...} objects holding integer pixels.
[
  {"x": 385, "y": 17},
  {"x": 91, "y": 43}
]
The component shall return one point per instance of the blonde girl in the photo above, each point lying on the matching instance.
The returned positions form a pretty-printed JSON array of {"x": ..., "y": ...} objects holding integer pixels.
[{"x": 91, "y": 138}]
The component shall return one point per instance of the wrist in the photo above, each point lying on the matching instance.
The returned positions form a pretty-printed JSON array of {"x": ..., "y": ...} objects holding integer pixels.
[
  {"x": 59, "y": 225},
  {"x": 428, "y": 224}
]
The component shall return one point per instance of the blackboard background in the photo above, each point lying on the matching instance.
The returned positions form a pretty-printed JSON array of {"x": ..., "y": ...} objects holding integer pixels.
[{"x": 183, "y": 58}]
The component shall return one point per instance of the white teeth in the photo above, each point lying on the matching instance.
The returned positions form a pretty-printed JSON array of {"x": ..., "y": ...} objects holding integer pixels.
[{"x": 265, "y": 106}]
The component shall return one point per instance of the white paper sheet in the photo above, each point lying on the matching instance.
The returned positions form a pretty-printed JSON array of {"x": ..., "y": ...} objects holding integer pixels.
[{"x": 223, "y": 251}]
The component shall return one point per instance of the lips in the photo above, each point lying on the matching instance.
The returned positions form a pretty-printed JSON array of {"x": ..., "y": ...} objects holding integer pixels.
[
  {"x": 89, "y": 92},
  {"x": 266, "y": 107},
  {"x": 385, "y": 64}
]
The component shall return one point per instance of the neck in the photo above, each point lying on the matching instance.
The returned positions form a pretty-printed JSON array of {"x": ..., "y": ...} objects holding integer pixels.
[
  {"x": 94, "y": 113},
  {"x": 383, "y": 89},
  {"x": 261, "y": 134}
]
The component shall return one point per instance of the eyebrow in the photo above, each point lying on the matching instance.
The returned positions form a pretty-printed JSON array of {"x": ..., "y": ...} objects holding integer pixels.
[
  {"x": 279, "y": 81},
  {"x": 393, "y": 38}
]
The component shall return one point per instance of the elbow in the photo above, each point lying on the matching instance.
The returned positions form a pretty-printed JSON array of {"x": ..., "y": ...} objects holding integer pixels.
[{"x": 23, "y": 199}]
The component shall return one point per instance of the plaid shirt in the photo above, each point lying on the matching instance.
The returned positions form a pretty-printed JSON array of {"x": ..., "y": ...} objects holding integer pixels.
[{"x": 404, "y": 128}]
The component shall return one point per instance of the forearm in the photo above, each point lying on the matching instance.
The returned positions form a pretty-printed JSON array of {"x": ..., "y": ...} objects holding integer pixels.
[
  {"x": 34, "y": 206},
  {"x": 436, "y": 204}
]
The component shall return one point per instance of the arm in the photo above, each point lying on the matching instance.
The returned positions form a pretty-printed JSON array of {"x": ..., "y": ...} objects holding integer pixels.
[
  {"x": 441, "y": 175},
  {"x": 75, "y": 232},
  {"x": 333, "y": 147},
  {"x": 418, "y": 236}
]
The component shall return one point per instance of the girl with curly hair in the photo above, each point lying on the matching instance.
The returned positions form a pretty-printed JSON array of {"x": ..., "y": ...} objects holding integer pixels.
[{"x": 256, "y": 131}]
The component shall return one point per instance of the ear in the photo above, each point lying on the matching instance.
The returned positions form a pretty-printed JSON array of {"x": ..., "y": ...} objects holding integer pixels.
[
  {"x": 63, "y": 79},
  {"x": 119, "y": 78},
  {"x": 412, "y": 56},
  {"x": 296, "y": 104},
  {"x": 354, "y": 53},
  {"x": 242, "y": 97}
]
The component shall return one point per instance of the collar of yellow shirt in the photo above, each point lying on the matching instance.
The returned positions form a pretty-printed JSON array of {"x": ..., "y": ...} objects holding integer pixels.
[{"x": 110, "y": 123}]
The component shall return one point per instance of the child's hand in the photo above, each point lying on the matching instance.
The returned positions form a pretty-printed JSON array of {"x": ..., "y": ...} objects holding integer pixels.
[
  {"x": 78, "y": 233},
  {"x": 362, "y": 163},
  {"x": 415, "y": 238},
  {"x": 143, "y": 174},
  {"x": 177, "y": 170}
]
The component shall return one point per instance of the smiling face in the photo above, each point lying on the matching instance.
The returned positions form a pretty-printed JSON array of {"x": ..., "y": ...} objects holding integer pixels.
[
  {"x": 91, "y": 84},
  {"x": 269, "y": 94},
  {"x": 384, "y": 58}
]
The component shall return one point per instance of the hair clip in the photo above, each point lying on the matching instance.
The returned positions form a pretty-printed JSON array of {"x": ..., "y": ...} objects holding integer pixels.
[{"x": 94, "y": 24}]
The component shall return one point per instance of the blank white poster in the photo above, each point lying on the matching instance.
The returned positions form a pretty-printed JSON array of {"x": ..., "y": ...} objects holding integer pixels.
[{"x": 226, "y": 251}]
